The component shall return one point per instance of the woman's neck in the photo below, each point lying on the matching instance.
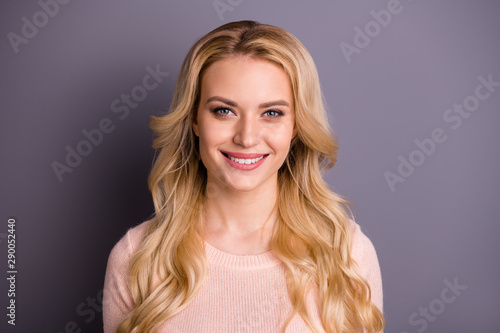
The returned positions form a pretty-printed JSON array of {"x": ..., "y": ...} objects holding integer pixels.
[{"x": 239, "y": 222}]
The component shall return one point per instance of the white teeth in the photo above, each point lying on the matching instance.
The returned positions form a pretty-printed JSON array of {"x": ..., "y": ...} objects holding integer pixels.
[{"x": 246, "y": 161}]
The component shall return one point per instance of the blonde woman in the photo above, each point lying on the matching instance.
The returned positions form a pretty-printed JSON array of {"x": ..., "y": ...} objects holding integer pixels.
[{"x": 246, "y": 235}]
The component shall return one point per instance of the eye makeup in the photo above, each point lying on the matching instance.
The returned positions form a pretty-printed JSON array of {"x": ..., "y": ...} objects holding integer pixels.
[{"x": 219, "y": 109}]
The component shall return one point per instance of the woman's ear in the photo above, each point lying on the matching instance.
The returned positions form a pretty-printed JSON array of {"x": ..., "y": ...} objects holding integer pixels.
[
  {"x": 195, "y": 125},
  {"x": 195, "y": 128}
]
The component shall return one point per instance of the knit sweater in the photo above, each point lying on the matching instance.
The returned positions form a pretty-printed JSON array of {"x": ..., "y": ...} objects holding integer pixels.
[{"x": 240, "y": 293}]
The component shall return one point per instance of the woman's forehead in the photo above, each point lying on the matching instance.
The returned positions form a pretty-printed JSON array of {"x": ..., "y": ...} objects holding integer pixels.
[{"x": 243, "y": 77}]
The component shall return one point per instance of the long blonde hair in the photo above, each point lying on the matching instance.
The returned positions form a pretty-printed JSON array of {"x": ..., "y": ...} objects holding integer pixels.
[{"x": 313, "y": 234}]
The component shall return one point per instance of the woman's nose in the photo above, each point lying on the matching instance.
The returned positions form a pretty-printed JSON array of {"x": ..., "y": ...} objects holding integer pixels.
[{"x": 247, "y": 132}]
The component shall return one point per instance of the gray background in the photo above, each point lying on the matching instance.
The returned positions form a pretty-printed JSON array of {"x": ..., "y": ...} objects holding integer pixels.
[{"x": 440, "y": 224}]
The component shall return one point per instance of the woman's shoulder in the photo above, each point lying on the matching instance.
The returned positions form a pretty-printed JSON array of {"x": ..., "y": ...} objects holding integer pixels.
[
  {"x": 363, "y": 252},
  {"x": 365, "y": 256},
  {"x": 361, "y": 244},
  {"x": 117, "y": 298},
  {"x": 129, "y": 242}
]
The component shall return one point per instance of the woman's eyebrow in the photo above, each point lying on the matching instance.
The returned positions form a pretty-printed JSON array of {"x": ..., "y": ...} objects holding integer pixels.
[
  {"x": 223, "y": 100},
  {"x": 274, "y": 103},
  {"x": 262, "y": 106}
]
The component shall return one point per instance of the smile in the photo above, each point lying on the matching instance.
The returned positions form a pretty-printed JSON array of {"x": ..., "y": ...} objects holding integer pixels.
[{"x": 244, "y": 161}]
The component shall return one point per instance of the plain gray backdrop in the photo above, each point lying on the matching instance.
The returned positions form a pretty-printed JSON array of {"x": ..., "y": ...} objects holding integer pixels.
[{"x": 408, "y": 96}]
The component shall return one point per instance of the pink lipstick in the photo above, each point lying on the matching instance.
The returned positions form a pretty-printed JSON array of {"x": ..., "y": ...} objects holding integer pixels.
[{"x": 243, "y": 161}]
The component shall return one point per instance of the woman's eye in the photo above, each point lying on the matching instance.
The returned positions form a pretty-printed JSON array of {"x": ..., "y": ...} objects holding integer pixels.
[
  {"x": 273, "y": 113},
  {"x": 223, "y": 111}
]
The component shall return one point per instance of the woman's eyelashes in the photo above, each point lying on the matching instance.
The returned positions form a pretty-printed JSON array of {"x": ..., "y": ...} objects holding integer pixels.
[
  {"x": 224, "y": 111},
  {"x": 274, "y": 113}
]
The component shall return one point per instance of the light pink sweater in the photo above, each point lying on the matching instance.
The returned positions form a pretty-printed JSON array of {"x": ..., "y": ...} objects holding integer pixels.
[{"x": 241, "y": 293}]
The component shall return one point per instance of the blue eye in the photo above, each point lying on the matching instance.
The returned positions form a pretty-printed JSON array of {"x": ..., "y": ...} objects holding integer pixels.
[
  {"x": 274, "y": 113},
  {"x": 223, "y": 111}
]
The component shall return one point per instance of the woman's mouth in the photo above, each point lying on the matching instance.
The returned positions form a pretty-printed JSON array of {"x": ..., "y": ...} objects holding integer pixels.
[{"x": 244, "y": 161}]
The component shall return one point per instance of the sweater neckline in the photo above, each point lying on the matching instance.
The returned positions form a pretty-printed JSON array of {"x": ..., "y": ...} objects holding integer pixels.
[{"x": 220, "y": 258}]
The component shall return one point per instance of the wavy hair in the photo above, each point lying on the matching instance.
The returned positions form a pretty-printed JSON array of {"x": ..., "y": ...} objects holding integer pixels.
[{"x": 313, "y": 234}]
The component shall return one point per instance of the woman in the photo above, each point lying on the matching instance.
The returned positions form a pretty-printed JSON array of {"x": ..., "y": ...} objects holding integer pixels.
[{"x": 247, "y": 236}]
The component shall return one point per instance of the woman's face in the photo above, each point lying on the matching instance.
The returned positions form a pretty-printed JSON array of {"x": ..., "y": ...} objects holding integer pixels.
[{"x": 245, "y": 122}]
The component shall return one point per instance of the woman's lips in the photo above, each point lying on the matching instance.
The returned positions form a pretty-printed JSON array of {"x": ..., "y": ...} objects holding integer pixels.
[
  {"x": 242, "y": 155},
  {"x": 244, "y": 161}
]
